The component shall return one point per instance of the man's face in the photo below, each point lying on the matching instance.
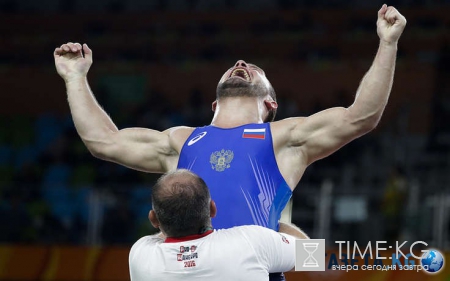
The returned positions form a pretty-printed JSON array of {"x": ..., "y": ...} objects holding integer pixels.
[{"x": 243, "y": 79}]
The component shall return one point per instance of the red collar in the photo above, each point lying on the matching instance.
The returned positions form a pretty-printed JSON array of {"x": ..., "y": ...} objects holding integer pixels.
[{"x": 187, "y": 238}]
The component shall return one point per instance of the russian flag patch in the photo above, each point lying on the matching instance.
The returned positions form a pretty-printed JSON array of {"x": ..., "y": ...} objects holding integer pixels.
[{"x": 254, "y": 133}]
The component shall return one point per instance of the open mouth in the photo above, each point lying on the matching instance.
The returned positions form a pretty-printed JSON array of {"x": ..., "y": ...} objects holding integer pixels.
[{"x": 240, "y": 73}]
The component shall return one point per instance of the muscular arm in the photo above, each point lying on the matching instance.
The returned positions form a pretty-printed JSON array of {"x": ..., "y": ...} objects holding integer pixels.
[
  {"x": 137, "y": 148},
  {"x": 323, "y": 133}
]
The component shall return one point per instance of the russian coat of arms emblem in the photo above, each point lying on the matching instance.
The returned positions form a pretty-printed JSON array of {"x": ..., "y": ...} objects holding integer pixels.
[{"x": 220, "y": 160}]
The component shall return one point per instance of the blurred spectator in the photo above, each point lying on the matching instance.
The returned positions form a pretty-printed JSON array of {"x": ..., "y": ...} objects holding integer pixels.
[
  {"x": 118, "y": 224},
  {"x": 47, "y": 175},
  {"x": 393, "y": 203},
  {"x": 14, "y": 220}
]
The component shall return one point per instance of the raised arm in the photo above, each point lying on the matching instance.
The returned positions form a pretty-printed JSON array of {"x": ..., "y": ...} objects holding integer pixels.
[
  {"x": 137, "y": 148},
  {"x": 323, "y": 133}
]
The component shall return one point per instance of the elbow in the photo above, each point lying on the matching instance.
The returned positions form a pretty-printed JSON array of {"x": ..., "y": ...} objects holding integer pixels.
[
  {"x": 368, "y": 125},
  {"x": 97, "y": 149},
  {"x": 363, "y": 123},
  {"x": 96, "y": 152}
]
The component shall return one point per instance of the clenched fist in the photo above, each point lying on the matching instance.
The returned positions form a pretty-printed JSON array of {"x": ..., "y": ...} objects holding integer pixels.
[
  {"x": 71, "y": 63},
  {"x": 390, "y": 24}
]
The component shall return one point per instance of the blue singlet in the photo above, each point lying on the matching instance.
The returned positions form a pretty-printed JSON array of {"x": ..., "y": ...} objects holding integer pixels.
[{"x": 240, "y": 168}]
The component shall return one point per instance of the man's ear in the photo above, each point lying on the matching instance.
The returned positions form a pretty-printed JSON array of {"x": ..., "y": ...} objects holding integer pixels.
[
  {"x": 214, "y": 105},
  {"x": 212, "y": 209},
  {"x": 153, "y": 219},
  {"x": 270, "y": 104}
]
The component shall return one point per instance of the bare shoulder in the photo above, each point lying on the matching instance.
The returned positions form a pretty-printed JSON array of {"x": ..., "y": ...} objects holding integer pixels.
[
  {"x": 175, "y": 131},
  {"x": 282, "y": 129},
  {"x": 286, "y": 124},
  {"x": 178, "y": 136}
]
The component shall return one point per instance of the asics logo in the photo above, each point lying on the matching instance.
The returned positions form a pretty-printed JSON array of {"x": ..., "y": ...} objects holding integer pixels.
[{"x": 197, "y": 138}]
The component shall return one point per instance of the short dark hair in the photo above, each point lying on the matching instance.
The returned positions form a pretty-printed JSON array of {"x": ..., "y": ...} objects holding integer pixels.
[{"x": 181, "y": 202}]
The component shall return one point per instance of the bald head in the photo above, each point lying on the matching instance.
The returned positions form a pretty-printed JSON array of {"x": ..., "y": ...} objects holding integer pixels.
[
  {"x": 179, "y": 183},
  {"x": 181, "y": 202}
]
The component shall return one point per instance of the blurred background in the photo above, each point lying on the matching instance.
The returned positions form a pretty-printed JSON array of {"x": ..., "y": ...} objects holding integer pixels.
[{"x": 157, "y": 64}]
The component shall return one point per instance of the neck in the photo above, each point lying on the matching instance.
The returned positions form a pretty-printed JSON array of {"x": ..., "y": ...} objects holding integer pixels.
[
  {"x": 204, "y": 231},
  {"x": 237, "y": 111}
]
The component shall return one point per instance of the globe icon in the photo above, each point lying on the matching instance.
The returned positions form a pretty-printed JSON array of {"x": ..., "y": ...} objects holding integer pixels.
[{"x": 432, "y": 261}]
